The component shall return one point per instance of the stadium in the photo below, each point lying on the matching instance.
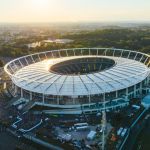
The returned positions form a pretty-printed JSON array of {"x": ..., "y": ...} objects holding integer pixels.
[{"x": 73, "y": 81}]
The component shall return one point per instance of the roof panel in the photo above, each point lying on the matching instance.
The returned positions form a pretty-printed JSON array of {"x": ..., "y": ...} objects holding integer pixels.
[{"x": 123, "y": 74}]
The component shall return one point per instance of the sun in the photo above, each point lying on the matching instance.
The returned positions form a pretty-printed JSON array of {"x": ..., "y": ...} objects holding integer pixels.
[{"x": 40, "y": 4}]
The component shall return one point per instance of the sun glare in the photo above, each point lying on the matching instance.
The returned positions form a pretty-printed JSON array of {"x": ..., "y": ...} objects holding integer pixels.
[{"x": 40, "y": 4}]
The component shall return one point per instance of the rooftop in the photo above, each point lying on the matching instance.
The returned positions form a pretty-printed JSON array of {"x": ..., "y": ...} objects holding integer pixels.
[{"x": 36, "y": 77}]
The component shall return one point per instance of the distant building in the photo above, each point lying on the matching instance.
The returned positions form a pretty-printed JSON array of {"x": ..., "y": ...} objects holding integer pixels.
[
  {"x": 58, "y": 41},
  {"x": 34, "y": 45}
]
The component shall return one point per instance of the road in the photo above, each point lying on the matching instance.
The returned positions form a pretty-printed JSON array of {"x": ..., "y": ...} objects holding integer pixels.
[{"x": 142, "y": 142}]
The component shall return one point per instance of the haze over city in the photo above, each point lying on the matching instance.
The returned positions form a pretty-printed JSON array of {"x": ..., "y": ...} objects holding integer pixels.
[{"x": 74, "y": 11}]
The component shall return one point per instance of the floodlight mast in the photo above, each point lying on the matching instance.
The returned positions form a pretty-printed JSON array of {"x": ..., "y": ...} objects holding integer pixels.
[{"x": 103, "y": 123}]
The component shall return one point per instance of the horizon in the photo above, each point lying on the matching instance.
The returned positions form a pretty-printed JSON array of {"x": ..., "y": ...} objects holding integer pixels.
[{"x": 84, "y": 22}]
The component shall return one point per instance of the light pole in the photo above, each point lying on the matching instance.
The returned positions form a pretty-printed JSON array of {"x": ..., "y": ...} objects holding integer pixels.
[{"x": 103, "y": 121}]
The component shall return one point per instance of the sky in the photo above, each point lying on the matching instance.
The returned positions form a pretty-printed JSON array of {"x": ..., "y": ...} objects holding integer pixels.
[{"x": 74, "y": 10}]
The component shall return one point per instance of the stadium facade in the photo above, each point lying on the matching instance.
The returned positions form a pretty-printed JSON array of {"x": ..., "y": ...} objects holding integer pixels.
[{"x": 73, "y": 81}]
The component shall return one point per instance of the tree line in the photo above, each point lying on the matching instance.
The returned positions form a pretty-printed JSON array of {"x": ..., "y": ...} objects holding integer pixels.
[{"x": 134, "y": 39}]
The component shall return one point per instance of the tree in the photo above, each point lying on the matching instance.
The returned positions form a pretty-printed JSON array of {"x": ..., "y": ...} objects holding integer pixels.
[{"x": 1, "y": 63}]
